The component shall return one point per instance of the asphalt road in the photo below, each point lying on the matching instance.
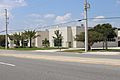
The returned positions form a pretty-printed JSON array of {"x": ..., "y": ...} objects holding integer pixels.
[{"x": 30, "y": 69}]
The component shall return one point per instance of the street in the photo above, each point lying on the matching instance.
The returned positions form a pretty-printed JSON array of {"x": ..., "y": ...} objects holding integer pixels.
[{"x": 14, "y": 68}]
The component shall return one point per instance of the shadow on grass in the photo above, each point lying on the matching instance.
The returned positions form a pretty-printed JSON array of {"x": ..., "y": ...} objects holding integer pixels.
[{"x": 49, "y": 48}]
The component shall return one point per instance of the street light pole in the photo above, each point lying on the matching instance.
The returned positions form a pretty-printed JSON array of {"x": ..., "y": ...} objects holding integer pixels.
[
  {"x": 86, "y": 6},
  {"x": 6, "y": 25}
]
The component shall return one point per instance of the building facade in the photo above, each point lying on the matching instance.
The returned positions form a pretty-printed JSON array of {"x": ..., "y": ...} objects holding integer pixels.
[
  {"x": 68, "y": 34},
  {"x": 37, "y": 42}
]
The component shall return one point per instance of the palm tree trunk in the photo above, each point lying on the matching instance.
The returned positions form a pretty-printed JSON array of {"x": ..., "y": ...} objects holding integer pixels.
[
  {"x": 30, "y": 43},
  {"x": 106, "y": 45},
  {"x": 103, "y": 44}
]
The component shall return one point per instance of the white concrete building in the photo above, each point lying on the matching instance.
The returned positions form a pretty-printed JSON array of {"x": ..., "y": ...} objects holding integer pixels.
[
  {"x": 37, "y": 42},
  {"x": 68, "y": 34},
  {"x": 118, "y": 37}
]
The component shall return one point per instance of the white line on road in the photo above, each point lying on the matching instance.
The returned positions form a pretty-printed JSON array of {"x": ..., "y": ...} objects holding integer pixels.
[{"x": 7, "y": 64}]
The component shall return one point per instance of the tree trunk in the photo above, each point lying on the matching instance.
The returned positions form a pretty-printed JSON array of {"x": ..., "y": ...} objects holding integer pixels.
[
  {"x": 30, "y": 43},
  {"x": 103, "y": 45},
  {"x": 106, "y": 46},
  {"x": 22, "y": 43},
  {"x": 89, "y": 48}
]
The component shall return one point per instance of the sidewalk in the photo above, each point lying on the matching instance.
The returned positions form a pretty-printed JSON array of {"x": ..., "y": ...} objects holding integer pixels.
[{"x": 103, "y": 53}]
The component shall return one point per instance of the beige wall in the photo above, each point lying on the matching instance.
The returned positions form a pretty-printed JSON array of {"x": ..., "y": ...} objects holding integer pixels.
[
  {"x": 76, "y": 31},
  {"x": 42, "y": 36}
]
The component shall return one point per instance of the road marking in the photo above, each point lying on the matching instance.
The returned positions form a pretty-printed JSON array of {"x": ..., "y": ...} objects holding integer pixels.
[{"x": 7, "y": 64}]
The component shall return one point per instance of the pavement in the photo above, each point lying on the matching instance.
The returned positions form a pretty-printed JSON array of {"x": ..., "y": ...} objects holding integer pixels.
[
  {"x": 103, "y": 53},
  {"x": 28, "y": 65}
]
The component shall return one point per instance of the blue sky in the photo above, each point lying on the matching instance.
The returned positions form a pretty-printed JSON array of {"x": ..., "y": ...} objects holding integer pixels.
[{"x": 25, "y": 14}]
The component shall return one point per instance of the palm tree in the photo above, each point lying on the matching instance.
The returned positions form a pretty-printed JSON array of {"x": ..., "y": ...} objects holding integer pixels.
[
  {"x": 30, "y": 35},
  {"x": 17, "y": 38},
  {"x": 57, "y": 38},
  {"x": 45, "y": 43}
]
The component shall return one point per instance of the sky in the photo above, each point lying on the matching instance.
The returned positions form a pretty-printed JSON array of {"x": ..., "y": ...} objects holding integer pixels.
[{"x": 27, "y": 14}]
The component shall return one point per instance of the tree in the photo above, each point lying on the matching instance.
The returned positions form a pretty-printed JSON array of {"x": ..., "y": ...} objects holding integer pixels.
[
  {"x": 16, "y": 37},
  {"x": 30, "y": 35},
  {"x": 57, "y": 38},
  {"x": 107, "y": 31},
  {"x": 45, "y": 43},
  {"x": 93, "y": 37},
  {"x": 2, "y": 40}
]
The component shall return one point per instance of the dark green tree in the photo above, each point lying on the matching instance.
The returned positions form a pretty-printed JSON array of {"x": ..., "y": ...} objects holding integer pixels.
[
  {"x": 57, "y": 38},
  {"x": 45, "y": 42},
  {"x": 2, "y": 40},
  {"x": 93, "y": 37},
  {"x": 107, "y": 31}
]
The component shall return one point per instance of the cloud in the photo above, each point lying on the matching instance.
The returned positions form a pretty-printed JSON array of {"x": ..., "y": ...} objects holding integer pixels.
[
  {"x": 2, "y": 15},
  {"x": 10, "y": 4},
  {"x": 64, "y": 18},
  {"x": 98, "y": 18},
  {"x": 49, "y": 16},
  {"x": 96, "y": 21},
  {"x": 42, "y": 19},
  {"x": 48, "y": 19}
]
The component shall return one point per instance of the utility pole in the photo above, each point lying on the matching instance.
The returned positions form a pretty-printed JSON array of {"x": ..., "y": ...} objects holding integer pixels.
[
  {"x": 6, "y": 25},
  {"x": 86, "y": 6}
]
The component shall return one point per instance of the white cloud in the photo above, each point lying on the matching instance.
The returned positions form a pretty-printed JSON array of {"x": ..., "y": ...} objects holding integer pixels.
[
  {"x": 98, "y": 18},
  {"x": 48, "y": 19},
  {"x": 64, "y": 18},
  {"x": 2, "y": 15},
  {"x": 49, "y": 16},
  {"x": 9, "y": 4}
]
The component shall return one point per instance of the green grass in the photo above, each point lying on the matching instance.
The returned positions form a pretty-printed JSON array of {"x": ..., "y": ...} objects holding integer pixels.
[
  {"x": 50, "y": 48},
  {"x": 79, "y": 51}
]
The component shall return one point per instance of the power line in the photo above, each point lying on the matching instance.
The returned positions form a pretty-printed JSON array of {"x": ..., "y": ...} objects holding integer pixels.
[
  {"x": 106, "y": 18},
  {"x": 101, "y": 18},
  {"x": 73, "y": 21},
  {"x": 2, "y": 31}
]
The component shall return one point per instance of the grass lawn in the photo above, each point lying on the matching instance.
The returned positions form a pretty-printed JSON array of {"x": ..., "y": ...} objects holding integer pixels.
[
  {"x": 50, "y": 48},
  {"x": 79, "y": 51}
]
